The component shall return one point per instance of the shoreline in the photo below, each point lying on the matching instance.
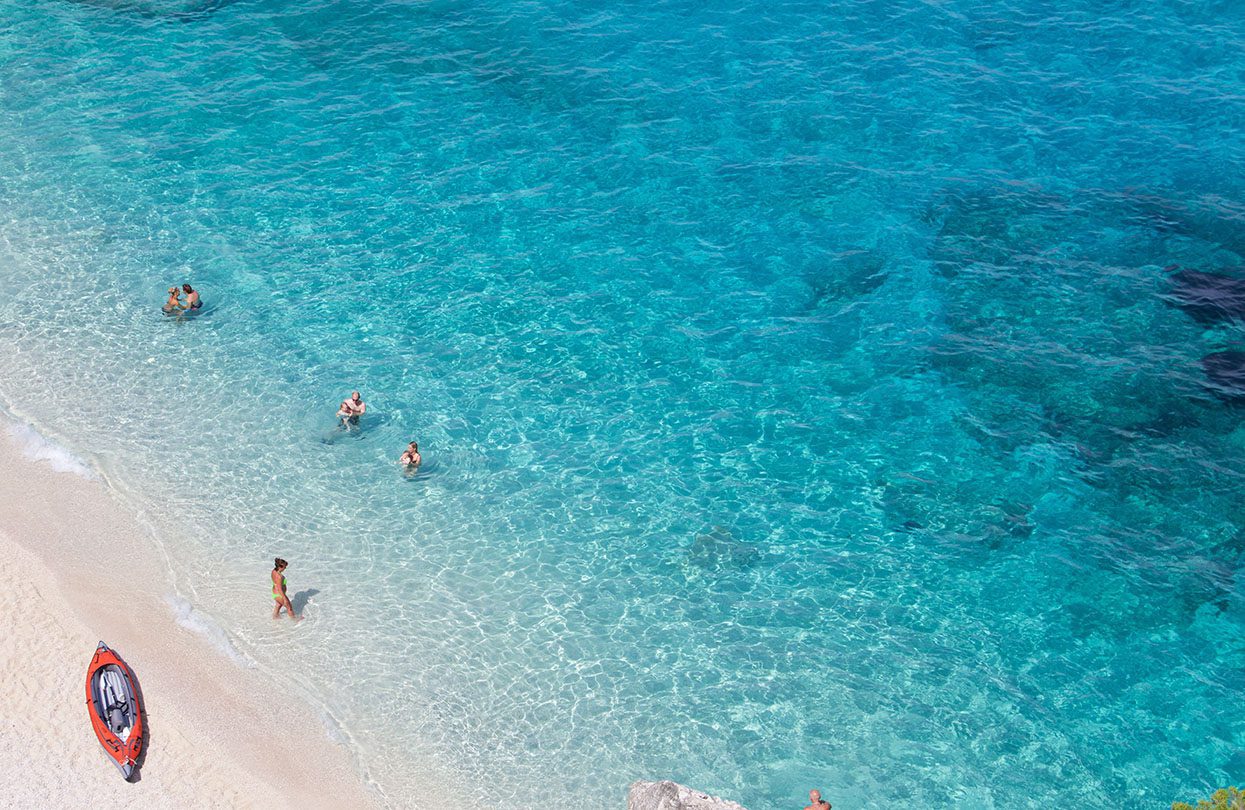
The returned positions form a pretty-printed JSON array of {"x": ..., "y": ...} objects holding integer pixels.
[{"x": 66, "y": 542}]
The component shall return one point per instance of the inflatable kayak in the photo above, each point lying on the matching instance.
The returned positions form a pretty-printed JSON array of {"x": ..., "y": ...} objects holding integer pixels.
[{"x": 116, "y": 715}]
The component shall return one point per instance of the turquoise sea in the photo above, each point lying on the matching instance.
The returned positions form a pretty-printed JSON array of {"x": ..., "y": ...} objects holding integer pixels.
[{"x": 801, "y": 394}]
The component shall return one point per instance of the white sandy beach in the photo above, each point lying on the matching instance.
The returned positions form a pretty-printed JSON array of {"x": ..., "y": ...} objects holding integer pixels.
[{"x": 78, "y": 569}]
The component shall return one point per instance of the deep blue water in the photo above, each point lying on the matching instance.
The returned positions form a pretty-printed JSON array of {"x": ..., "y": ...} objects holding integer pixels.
[{"x": 801, "y": 393}]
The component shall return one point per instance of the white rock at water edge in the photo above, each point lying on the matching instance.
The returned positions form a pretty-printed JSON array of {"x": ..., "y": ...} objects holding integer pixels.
[{"x": 669, "y": 795}]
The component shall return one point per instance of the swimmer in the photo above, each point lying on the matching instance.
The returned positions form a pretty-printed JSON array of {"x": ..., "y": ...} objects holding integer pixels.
[
  {"x": 815, "y": 802},
  {"x": 278, "y": 591},
  {"x": 351, "y": 409},
  {"x": 174, "y": 305},
  {"x": 192, "y": 297},
  {"x": 410, "y": 457}
]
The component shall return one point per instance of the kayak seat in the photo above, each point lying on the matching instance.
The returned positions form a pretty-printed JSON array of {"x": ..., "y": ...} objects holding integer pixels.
[{"x": 116, "y": 719}]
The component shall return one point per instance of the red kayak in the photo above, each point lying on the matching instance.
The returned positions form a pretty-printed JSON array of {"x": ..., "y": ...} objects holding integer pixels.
[{"x": 116, "y": 714}]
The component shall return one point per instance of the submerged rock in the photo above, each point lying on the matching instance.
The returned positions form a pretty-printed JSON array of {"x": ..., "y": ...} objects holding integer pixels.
[
  {"x": 1225, "y": 373},
  {"x": 667, "y": 795},
  {"x": 1209, "y": 297},
  {"x": 719, "y": 549}
]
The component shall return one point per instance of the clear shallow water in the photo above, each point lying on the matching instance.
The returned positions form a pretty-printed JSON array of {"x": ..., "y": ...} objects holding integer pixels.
[{"x": 800, "y": 400}]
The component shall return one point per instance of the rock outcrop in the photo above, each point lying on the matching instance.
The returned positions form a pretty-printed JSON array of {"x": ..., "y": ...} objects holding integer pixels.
[{"x": 669, "y": 795}]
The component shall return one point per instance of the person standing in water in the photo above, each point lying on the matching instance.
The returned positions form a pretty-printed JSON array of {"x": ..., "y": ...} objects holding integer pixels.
[
  {"x": 278, "y": 591},
  {"x": 351, "y": 409},
  {"x": 193, "y": 301},
  {"x": 174, "y": 305},
  {"x": 410, "y": 457}
]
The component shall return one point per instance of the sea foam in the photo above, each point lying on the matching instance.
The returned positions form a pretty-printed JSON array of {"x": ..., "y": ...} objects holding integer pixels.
[
  {"x": 39, "y": 448},
  {"x": 194, "y": 621}
]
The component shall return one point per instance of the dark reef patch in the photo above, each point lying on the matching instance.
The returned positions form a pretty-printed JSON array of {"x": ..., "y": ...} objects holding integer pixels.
[
  {"x": 1209, "y": 297},
  {"x": 1225, "y": 374},
  {"x": 185, "y": 10}
]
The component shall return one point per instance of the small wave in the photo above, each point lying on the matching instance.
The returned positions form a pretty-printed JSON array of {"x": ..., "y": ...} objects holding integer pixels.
[
  {"x": 34, "y": 446},
  {"x": 196, "y": 622},
  {"x": 333, "y": 728}
]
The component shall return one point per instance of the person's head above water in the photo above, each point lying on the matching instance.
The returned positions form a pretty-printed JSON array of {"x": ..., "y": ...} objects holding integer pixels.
[
  {"x": 172, "y": 291},
  {"x": 355, "y": 396},
  {"x": 414, "y": 446},
  {"x": 279, "y": 563},
  {"x": 814, "y": 798},
  {"x": 188, "y": 288}
]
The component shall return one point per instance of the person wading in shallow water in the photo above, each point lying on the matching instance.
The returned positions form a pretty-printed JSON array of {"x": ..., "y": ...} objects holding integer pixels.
[
  {"x": 351, "y": 409},
  {"x": 410, "y": 457},
  {"x": 278, "y": 591},
  {"x": 174, "y": 305},
  {"x": 815, "y": 802},
  {"x": 192, "y": 298}
]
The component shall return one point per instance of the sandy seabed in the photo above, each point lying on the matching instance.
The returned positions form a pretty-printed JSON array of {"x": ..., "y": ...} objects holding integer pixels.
[{"x": 76, "y": 569}]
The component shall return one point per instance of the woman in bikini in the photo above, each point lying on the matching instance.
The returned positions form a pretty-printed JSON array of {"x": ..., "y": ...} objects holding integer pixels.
[
  {"x": 278, "y": 591},
  {"x": 410, "y": 457},
  {"x": 174, "y": 305}
]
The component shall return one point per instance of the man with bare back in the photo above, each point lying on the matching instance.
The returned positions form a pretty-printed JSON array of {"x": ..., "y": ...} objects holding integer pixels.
[{"x": 351, "y": 409}]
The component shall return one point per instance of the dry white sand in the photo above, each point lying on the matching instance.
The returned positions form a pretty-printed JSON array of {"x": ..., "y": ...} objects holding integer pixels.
[{"x": 219, "y": 735}]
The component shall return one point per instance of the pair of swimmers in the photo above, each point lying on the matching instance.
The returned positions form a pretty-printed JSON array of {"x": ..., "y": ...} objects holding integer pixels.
[
  {"x": 354, "y": 407},
  {"x": 350, "y": 410},
  {"x": 175, "y": 306}
]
